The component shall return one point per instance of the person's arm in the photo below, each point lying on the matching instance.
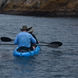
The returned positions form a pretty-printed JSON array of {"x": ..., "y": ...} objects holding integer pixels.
[{"x": 33, "y": 40}]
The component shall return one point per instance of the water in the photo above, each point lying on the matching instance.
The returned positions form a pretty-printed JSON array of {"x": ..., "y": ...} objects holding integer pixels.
[{"x": 59, "y": 62}]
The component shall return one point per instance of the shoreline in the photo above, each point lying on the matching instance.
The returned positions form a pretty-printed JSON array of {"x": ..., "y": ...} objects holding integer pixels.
[{"x": 41, "y": 13}]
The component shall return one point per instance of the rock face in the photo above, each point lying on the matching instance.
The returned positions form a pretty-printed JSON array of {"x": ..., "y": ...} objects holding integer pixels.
[{"x": 40, "y": 7}]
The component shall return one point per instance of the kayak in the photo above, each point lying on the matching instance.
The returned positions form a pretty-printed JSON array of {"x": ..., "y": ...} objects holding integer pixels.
[{"x": 27, "y": 53}]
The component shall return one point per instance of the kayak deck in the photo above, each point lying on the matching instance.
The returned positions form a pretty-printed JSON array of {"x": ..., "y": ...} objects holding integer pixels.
[{"x": 26, "y": 53}]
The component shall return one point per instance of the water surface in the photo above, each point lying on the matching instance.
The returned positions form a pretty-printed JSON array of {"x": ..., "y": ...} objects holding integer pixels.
[{"x": 59, "y": 62}]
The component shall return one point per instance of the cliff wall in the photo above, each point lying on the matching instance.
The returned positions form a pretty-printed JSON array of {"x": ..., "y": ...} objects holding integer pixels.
[{"x": 40, "y": 7}]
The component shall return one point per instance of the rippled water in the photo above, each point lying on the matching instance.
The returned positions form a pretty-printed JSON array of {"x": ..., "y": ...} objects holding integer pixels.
[{"x": 59, "y": 62}]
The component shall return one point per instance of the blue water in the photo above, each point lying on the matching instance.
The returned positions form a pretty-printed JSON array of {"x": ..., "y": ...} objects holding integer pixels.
[{"x": 59, "y": 62}]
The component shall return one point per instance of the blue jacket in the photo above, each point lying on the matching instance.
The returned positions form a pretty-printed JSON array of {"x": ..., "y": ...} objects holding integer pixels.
[{"x": 24, "y": 39}]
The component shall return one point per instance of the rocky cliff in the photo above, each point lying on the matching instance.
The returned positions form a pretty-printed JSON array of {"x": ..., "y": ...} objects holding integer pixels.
[{"x": 40, "y": 7}]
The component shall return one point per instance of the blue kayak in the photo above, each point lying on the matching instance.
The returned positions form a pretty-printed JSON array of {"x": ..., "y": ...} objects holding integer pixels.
[{"x": 27, "y": 53}]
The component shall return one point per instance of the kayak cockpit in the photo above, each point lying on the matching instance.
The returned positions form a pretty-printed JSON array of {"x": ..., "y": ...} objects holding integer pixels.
[{"x": 23, "y": 51}]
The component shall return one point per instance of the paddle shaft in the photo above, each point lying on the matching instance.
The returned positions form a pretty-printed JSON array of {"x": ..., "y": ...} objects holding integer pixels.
[
  {"x": 52, "y": 44},
  {"x": 7, "y": 44},
  {"x": 7, "y": 39},
  {"x": 36, "y": 44}
]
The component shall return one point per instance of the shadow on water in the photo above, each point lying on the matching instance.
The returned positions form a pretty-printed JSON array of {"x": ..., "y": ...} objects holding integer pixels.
[
  {"x": 55, "y": 54},
  {"x": 22, "y": 66},
  {"x": 24, "y": 62}
]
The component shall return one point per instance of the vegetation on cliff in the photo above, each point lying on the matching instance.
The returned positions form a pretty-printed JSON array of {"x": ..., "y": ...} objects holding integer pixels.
[{"x": 49, "y": 6}]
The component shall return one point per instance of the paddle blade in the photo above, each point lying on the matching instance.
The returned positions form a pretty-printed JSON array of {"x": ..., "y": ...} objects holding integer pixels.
[
  {"x": 6, "y": 39},
  {"x": 55, "y": 44},
  {"x": 29, "y": 28}
]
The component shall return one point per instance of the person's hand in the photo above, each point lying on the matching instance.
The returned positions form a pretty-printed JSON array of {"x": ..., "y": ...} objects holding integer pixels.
[{"x": 38, "y": 41}]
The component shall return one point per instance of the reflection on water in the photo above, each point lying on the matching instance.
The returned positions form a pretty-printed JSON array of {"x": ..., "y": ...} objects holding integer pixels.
[{"x": 51, "y": 62}]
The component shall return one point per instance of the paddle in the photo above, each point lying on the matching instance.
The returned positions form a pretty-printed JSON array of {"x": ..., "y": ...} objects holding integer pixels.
[
  {"x": 6, "y": 39},
  {"x": 55, "y": 44}
]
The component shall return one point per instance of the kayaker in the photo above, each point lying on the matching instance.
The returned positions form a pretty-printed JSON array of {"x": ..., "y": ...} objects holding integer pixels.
[
  {"x": 24, "y": 38},
  {"x": 31, "y": 32}
]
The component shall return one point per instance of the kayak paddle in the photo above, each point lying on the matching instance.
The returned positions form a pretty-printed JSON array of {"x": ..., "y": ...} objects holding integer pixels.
[
  {"x": 6, "y": 39},
  {"x": 55, "y": 44}
]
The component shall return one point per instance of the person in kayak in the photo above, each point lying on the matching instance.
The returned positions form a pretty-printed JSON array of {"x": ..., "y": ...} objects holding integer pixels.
[
  {"x": 24, "y": 38},
  {"x": 30, "y": 30}
]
